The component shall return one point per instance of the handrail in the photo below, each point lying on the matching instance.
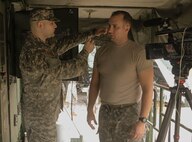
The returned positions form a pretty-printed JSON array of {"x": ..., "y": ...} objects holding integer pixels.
[
  {"x": 162, "y": 86},
  {"x": 182, "y": 125},
  {"x": 153, "y": 121}
]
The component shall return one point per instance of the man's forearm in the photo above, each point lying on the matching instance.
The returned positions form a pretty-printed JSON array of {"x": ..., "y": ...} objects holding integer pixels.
[
  {"x": 146, "y": 104},
  {"x": 93, "y": 94},
  {"x": 72, "y": 41}
]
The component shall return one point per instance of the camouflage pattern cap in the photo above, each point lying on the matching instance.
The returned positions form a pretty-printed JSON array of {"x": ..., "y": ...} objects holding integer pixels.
[{"x": 43, "y": 14}]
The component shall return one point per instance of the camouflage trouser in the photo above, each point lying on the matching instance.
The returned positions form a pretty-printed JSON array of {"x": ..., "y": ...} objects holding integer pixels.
[
  {"x": 116, "y": 122},
  {"x": 38, "y": 131},
  {"x": 39, "y": 125}
]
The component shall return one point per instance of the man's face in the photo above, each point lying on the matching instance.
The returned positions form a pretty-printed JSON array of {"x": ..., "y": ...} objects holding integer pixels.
[
  {"x": 48, "y": 28},
  {"x": 118, "y": 28}
]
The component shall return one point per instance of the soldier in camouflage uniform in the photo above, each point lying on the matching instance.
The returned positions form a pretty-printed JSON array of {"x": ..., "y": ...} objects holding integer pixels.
[
  {"x": 42, "y": 74},
  {"x": 123, "y": 78}
]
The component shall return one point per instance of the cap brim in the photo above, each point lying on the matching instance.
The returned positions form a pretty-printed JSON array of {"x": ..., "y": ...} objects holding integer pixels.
[{"x": 54, "y": 19}]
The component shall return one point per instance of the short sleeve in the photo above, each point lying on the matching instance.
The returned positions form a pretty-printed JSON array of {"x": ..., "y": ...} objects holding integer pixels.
[{"x": 142, "y": 62}]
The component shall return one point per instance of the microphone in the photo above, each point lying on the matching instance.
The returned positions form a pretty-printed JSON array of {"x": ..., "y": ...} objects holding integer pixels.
[
  {"x": 154, "y": 22},
  {"x": 169, "y": 31}
]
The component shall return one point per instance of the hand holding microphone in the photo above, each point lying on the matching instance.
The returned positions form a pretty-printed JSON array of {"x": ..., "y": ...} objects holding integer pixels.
[{"x": 89, "y": 45}]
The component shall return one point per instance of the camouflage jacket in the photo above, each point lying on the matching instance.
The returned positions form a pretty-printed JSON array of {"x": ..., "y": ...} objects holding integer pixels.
[{"x": 42, "y": 72}]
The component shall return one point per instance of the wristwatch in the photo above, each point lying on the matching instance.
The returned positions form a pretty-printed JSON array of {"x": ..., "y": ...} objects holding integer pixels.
[{"x": 143, "y": 119}]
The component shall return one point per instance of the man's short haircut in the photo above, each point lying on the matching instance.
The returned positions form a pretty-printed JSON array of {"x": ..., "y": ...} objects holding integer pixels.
[{"x": 126, "y": 16}]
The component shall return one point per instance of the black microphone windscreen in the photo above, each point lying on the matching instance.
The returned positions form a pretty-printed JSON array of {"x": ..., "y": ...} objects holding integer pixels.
[{"x": 153, "y": 22}]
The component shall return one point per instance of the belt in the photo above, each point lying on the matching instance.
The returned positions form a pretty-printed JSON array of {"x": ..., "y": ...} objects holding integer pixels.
[{"x": 118, "y": 106}]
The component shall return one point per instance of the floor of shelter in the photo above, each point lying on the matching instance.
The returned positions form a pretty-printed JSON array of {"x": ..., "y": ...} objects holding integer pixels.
[{"x": 73, "y": 127}]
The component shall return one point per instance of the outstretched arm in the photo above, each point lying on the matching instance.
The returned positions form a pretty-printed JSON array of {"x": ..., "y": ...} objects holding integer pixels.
[
  {"x": 69, "y": 42},
  {"x": 78, "y": 65}
]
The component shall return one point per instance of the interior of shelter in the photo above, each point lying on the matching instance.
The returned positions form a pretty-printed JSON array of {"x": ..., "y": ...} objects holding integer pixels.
[{"x": 154, "y": 22}]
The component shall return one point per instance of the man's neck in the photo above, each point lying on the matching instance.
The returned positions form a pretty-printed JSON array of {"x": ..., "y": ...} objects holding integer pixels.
[
  {"x": 121, "y": 43},
  {"x": 39, "y": 35}
]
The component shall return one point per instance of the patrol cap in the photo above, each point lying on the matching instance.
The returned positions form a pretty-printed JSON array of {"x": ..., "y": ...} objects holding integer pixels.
[{"x": 43, "y": 14}]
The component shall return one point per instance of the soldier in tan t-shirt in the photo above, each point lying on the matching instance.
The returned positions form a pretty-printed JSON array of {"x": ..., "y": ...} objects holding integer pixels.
[{"x": 123, "y": 79}]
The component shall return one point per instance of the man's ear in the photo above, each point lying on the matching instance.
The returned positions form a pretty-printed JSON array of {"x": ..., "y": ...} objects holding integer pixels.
[
  {"x": 128, "y": 26},
  {"x": 39, "y": 24}
]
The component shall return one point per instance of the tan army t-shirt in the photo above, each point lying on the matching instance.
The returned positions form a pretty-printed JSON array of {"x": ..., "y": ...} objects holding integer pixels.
[{"x": 118, "y": 69}]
